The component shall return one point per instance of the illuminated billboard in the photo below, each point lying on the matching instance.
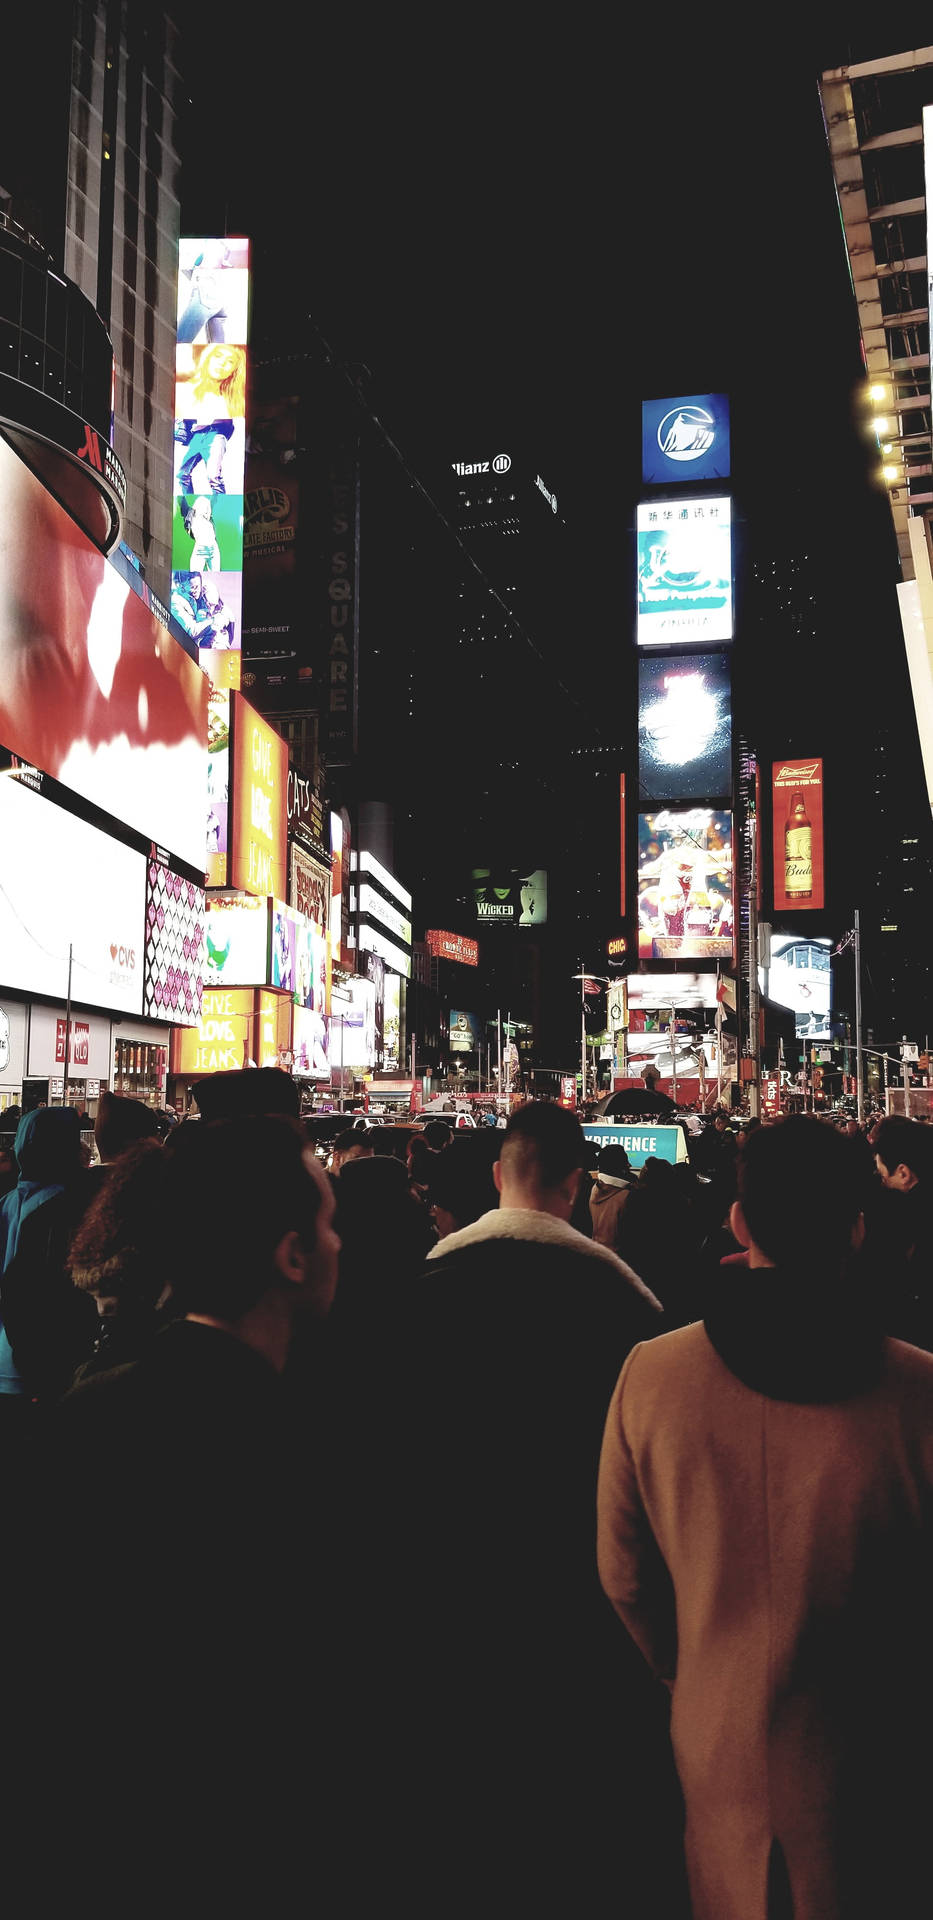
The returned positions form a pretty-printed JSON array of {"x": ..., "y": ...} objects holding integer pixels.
[
  {"x": 797, "y": 821},
  {"x": 310, "y": 887},
  {"x": 801, "y": 977},
  {"x": 310, "y": 1043},
  {"x": 221, "y": 1041},
  {"x": 684, "y": 726},
  {"x": 685, "y": 907},
  {"x": 452, "y": 946},
  {"x": 684, "y": 572},
  {"x": 236, "y": 940},
  {"x": 649, "y": 991},
  {"x": 68, "y": 885},
  {"x": 93, "y": 688},
  {"x": 465, "y": 1032},
  {"x": 507, "y": 897},
  {"x": 257, "y": 860},
  {"x": 353, "y": 1025},
  {"x": 210, "y": 450},
  {"x": 174, "y": 946},
  {"x": 685, "y": 439}
]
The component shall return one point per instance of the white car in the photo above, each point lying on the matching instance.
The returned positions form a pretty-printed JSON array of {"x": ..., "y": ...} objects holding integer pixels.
[{"x": 457, "y": 1119}]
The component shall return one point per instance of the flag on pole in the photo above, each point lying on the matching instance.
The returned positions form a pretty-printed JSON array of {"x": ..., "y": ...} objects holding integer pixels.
[{"x": 591, "y": 986}]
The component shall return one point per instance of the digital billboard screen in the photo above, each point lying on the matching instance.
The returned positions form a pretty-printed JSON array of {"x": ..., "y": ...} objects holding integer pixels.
[
  {"x": 507, "y": 897},
  {"x": 650, "y": 991},
  {"x": 684, "y": 726},
  {"x": 257, "y": 860},
  {"x": 685, "y": 439},
  {"x": 174, "y": 947},
  {"x": 684, "y": 572},
  {"x": 797, "y": 816},
  {"x": 210, "y": 450},
  {"x": 237, "y": 941},
  {"x": 68, "y": 885},
  {"x": 93, "y": 689},
  {"x": 801, "y": 977},
  {"x": 465, "y": 1032},
  {"x": 685, "y": 885}
]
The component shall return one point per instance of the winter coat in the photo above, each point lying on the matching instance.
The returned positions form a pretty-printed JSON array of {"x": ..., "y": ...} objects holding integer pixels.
[
  {"x": 607, "y": 1205},
  {"x": 765, "y": 1533}
]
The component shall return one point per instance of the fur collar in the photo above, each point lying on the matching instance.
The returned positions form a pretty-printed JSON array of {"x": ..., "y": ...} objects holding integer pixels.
[{"x": 524, "y": 1225}]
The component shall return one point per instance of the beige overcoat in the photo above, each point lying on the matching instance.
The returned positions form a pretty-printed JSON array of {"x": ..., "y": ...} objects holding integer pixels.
[{"x": 772, "y": 1562}]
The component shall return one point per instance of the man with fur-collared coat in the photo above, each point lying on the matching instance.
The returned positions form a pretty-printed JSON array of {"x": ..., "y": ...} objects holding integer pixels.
[{"x": 766, "y": 1535}]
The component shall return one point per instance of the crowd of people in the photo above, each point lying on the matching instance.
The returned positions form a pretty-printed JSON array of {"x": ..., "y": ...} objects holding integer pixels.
[{"x": 479, "y": 1527}]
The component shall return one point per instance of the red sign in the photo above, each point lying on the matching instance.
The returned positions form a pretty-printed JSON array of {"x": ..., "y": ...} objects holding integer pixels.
[
  {"x": 452, "y": 946},
  {"x": 771, "y": 1096},
  {"x": 568, "y": 1090},
  {"x": 797, "y": 820},
  {"x": 80, "y": 1038}
]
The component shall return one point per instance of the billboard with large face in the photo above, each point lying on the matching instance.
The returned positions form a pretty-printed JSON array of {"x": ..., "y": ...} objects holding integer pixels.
[
  {"x": 507, "y": 897},
  {"x": 685, "y": 439},
  {"x": 797, "y": 803},
  {"x": 801, "y": 977},
  {"x": 93, "y": 689},
  {"x": 685, "y": 885},
  {"x": 67, "y": 885},
  {"x": 684, "y": 572},
  {"x": 684, "y": 726}
]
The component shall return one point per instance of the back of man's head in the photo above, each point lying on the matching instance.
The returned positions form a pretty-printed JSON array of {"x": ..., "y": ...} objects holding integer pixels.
[
  {"x": 542, "y": 1147},
  {"x": 351, "y": 1144},
  {"x": 899, "y": 1142},
  {"x": 801, "y": 1187},
  {"x": 235, "y": 1189},
  {"x": 120, "y": 1123}
]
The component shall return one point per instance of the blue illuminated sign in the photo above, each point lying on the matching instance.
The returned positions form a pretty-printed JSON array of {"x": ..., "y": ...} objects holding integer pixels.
[{"x": 685, "y": 439}]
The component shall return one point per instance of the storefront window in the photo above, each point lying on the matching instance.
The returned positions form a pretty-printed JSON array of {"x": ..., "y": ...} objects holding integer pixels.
[{"x": 139, "y": 1071}]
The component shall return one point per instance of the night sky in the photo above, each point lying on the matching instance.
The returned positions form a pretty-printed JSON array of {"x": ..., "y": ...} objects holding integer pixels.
[{"x": 522, "y": 234}]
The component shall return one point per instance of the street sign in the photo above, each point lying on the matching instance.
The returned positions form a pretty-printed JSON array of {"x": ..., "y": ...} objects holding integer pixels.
[{"x": 910, "y": 1050}]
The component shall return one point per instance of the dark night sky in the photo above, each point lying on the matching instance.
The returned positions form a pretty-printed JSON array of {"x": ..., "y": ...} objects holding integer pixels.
[{"x": 523, "y": 234}]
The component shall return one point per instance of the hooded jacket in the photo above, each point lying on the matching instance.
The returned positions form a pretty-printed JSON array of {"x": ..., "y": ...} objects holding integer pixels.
[{"x": 47, "y": 1152}]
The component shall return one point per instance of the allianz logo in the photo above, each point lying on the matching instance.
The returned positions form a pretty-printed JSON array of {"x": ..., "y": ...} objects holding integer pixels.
[
  {"x": 686, "y": 432},
  {"x": 500, "y": 464}
]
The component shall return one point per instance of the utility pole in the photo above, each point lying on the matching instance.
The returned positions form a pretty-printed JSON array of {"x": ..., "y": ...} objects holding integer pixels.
[
  {"x": 67, "y": 1032},
  {"x": 859, "y": 1077}
]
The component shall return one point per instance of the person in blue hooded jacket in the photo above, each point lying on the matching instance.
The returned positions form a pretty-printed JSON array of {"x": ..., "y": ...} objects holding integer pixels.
[{"x": 48, "y": 1154}]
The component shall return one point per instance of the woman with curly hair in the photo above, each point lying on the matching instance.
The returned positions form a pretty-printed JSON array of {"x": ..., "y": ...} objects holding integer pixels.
[{"x": 119, "y": 1257}]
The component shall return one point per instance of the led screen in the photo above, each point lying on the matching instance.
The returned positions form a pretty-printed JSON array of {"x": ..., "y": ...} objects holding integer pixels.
[
  {"x": 465, "y": 1032},
  {"x": 353, "y": 1025},
  {"x": 237, "y": 941},
  {"x": 685, "y": 885},
  {"x": 259, "y": 829},
  {"x": 311, "y": 1043},
  {"x": 505, "y": 896},
  {"x": 174, "y": 950},
  {"x": 221, "y": 1040},
  {"x": 684, "y": 726},
  {"x": 210, "y": 450},
  {"x": 392, "y": 1021},
  {"x": 797, "y": 816},
  {"x": 685, "y": 439},
  {"x": 801, "y": 977},
  {"x": 684, "y": 572},
  {"x": 682, "y": 990},
  {"x": 93, "y": 689},
  {"x": 66, "y": 884}
]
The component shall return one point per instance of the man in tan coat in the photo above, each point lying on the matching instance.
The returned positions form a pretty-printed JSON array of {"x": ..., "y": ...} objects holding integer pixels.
[{"x": 765, "y": 1533}]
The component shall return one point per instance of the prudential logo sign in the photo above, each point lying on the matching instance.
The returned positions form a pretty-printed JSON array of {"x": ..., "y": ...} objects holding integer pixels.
[{"x": 685, "y": 438}]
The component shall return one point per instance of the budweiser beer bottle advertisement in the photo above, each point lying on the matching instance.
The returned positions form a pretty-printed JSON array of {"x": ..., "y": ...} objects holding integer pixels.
[{"x": 798, "y": 841}]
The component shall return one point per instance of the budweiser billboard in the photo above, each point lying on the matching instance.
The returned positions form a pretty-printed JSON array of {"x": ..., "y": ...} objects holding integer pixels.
[
  {"x": 452, "y": 946},
  {"x": 797, "y": 821}
]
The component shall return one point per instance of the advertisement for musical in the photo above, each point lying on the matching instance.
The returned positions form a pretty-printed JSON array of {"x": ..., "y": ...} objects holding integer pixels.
[
  {"x": 507, "y": 897},
  {"x": 797, "y": 816},
  {"x": 452, "y": 946},
  {"x": 684, "y": 572},
  {"x": 685, "y": 885}
]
